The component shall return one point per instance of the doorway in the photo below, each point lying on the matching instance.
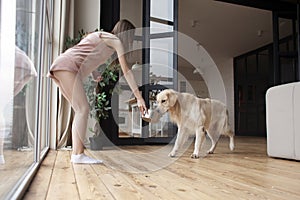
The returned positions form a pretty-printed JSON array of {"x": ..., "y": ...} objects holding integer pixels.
[
  {"x": 258, "y": 70},
  {"x": 252, "y": 79}
]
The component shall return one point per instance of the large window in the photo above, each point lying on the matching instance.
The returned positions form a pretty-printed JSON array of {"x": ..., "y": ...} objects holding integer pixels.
[
  {"x": 153, "y": 62},
  {"x": 25, "y": 36}
]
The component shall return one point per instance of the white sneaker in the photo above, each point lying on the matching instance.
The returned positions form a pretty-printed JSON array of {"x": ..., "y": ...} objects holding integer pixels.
[{"x": 84, "y": 159}]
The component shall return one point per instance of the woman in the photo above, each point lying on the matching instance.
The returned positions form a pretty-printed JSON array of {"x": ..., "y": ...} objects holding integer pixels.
[{"x": 69, "y": 69}]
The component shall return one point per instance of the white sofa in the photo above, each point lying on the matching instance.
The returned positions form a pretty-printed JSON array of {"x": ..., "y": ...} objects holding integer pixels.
[{"x": 283, "y": 121}]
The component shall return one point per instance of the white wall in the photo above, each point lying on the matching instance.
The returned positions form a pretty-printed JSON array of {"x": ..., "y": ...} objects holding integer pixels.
[
  {"x": 226, "y": 70},
  {"x": 217, "y": 73},
  {"x": 132, "y": 10},
  {"x": 86, "y": 15}
]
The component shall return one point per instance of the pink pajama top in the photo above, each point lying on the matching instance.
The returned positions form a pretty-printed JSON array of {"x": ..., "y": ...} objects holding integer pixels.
[{"x": 84, "y": 57}]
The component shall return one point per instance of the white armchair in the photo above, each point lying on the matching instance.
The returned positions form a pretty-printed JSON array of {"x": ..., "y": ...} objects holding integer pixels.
[{"x": 283, "y": 121}]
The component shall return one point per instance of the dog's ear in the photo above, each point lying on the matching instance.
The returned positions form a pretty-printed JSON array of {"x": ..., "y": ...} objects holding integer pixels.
[{"x": 172, "y": 96}]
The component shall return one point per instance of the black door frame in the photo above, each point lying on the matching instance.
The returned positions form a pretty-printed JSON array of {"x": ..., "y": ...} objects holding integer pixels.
[
  {"x": 277, "y": 53},
  {"x": 248, "y": 119},
  {"x": 279, "y": 9}
]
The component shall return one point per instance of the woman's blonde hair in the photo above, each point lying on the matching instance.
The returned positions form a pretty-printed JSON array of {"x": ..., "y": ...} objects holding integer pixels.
[{"x": 124, "y": 30}]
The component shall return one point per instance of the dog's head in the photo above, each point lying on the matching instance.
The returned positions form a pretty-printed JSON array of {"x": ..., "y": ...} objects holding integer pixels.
[{"x": 166, "y": 100}]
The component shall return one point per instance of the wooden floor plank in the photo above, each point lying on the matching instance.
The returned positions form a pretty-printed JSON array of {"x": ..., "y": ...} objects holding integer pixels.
[
  {"x": 41, "y": 182},
  {"x": 117, "y": 184},
  {"x": 89, "y": 183},
  {"x": 139, "y": 182},
  {"x": 146, "y": 172},
  {"x": 63, "y": 184},
  {"x": 226, "y": 182},
  {"x": 149, "y": 188},
  {"x": 187, "y": 184},
  {"x": 178, "y": 186},
  {"x": 259, "y": 174},
  {"x": 256, "y": 178}
]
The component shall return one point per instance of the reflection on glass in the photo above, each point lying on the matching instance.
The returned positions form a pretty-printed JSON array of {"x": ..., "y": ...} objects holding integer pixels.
[
  {"x": 285, "y": 27},
  {"x": 132, "y": 10},
  {"x": 288, "y": 70},
  {"x": 263, "y": 62},
  {"x": 126, "y": 101},
  {"x": 130, "y": 119},
  {"x": 161, "y": 72},
  {"x": 252, "y": 64},
  {"x": 164, "y": 127},
  {"x": 18, "y": 112},
  {"x": 17, "y": 136},
  {"x": 161, "y": 61},
  {"x": 162, "y": 9},
  {"x": 23, "y": 117},
  {"x": 156, "y": 27}
]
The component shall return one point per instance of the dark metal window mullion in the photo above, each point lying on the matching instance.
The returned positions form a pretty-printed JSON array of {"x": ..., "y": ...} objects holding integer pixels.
[
  {"x": 146, "y": 52},
  {"x": 298, "y": 42},
  {"x": 146, "y": 61},
  {"x": 161, "y": 35},
  {"x": 175, "y": 45},
  {"x": 161, "y": 21}
]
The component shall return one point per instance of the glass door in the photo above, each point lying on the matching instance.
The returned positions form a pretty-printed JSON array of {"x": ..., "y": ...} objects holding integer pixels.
[
  {"x": 24, "y": 103},
  {"x": 154, "y": 65},
  {"x": 160, "y": 60},
  {"x": 286, "y": 67}
]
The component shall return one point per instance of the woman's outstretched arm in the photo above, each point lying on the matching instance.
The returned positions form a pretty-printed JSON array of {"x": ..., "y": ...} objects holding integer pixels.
[{"x": 117, "y": 45}]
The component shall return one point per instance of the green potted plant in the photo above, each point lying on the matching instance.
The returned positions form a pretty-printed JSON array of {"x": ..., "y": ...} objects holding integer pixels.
[{"x": 99, "y": 97}]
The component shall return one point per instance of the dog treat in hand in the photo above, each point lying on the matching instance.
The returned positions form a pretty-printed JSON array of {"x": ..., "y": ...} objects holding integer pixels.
[{"x": 147, "y": 116}]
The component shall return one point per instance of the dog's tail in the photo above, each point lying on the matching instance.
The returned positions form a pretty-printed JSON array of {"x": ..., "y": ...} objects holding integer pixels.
[{"x": 229, "y": 132}]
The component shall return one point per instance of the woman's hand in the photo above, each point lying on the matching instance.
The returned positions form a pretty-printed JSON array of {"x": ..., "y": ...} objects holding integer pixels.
[{"x": 142, "y": 106}]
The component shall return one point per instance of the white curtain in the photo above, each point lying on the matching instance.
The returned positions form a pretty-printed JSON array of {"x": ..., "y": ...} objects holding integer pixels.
[{"x": 61, "y": 112}]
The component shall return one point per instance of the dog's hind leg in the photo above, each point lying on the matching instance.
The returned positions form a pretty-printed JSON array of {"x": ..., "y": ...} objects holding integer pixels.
[
  {"x": 231, "y": 143},
  {"x": 214, "y": 138},
  {"x": 230, "y": 134},
  {"x": 200, "y": 137}
]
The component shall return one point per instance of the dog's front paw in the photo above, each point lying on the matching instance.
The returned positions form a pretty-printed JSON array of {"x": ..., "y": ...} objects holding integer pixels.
[
  {"x": 172, "y": 154},
  {"x": 195, "y": 156}
]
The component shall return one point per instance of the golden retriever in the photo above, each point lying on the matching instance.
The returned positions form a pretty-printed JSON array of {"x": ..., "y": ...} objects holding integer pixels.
[{"x": 197, "y": 115}]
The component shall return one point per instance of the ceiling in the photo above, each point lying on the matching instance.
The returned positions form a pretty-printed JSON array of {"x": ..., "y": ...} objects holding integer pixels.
[{"x": 226, "y": 30}]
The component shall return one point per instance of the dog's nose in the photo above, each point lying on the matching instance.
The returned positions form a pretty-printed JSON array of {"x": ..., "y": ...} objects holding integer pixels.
[
  {"x": 155, "y": 115},
  {"x": 157, "y": 110}
]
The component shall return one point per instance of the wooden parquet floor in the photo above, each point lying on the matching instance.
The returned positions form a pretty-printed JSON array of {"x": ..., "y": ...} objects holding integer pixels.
[{"x": 146, "y": 172}]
